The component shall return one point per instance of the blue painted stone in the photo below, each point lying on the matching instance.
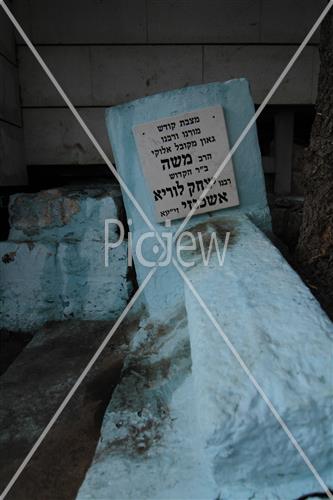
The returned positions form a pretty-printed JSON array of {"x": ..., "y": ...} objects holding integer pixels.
[
  {"x": 150, "y": 446},
  {"x": 67, "y": 213},
  {"x": 216, "y": 437},
  {"x": 28, "y": 280},
  {"x": 52, "y": 267},
  {"x": 89, "y": 290},
  {"x": 285, "y": 339},
  {"x": 234, "y": 96}
]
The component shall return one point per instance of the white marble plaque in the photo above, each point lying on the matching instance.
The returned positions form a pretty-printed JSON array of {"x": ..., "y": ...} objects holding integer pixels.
[{"x": 179, "y": 155}]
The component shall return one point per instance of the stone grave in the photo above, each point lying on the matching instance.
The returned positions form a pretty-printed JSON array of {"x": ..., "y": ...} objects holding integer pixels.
[{"x": 185, "y": 421}]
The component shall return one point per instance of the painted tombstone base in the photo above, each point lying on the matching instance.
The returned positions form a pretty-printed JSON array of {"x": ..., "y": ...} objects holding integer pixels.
[{"x": 186, "y": 422}]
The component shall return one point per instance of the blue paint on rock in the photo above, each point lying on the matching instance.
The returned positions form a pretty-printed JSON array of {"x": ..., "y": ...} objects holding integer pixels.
[
  {"x": 234, "y": 96},
  {"x": 285, "y": 339},
  {"x": 220, "y": 440},
  {"x": 52, "y": 266}
]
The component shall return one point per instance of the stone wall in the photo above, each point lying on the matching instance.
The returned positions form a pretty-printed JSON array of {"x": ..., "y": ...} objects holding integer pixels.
[
  {"x": 108, "y": 52},
  {"x": 12, "y": 161}
]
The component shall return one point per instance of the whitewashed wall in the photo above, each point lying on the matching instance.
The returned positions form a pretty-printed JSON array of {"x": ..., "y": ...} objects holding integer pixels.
[
  {"x": 106, "y": 52},
  {"x": 12, "y": 164}
]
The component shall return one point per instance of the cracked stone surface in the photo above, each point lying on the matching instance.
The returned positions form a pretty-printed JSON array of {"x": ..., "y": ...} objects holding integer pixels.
[
  {"x": 52, "y": 266},
  {"x": 149, "y": 444},
  {"x": 193, "y": 426}
]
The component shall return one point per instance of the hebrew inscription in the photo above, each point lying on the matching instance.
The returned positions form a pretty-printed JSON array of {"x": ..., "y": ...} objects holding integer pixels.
[{"x": 179, "y": 156}]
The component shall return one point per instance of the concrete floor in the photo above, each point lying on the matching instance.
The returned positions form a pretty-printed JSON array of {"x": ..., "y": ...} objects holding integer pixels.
[{"x": 33, "y": 387}]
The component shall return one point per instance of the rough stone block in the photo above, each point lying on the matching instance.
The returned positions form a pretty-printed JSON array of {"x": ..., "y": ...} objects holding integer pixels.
[
  {"x": 221, "y": 440},
  {"x": 66, "y": 213},
  {"x": 234, "y": 96},
  {"x": 89, "y": 290},
  {"x": 53, "y": 267},
  {"x": 285, "y": 339},
  {"x": 28, "y": 284},
  {"x": 149, "y": 439}
]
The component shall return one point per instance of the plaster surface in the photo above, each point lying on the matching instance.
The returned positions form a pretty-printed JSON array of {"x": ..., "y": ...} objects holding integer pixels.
[
  {"x": 187, "y": 423},
  {"x": 234, "y": 96},
  {"x": 52, "y": 266},
  {"x": 285, "y": 339}
]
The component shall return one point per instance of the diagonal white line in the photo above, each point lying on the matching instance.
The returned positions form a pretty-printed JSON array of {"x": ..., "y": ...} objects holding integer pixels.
[
  {"x": 81, "y": 121},
  {"x": 253, "y": 380},
  {"x": 255, "y": 116},
  {"x": 216, "y": 175},
  {"x": 76, "y": 385},
  {"x": 138, "y": 292}
]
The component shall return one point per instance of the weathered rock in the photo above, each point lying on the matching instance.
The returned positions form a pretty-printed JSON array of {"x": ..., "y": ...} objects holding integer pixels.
[
  {"x": 149, "y": 445},
  {"x": 28, "y": 281},
  {"x": 220, "y": 441},
  {"x": 66, "y": 213},
  {"x": 234, "y": 96},
  {"x": 89, "y": 290},
  {"x": 52, "y": 267},
  {"x": 285, "y": 339}
]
